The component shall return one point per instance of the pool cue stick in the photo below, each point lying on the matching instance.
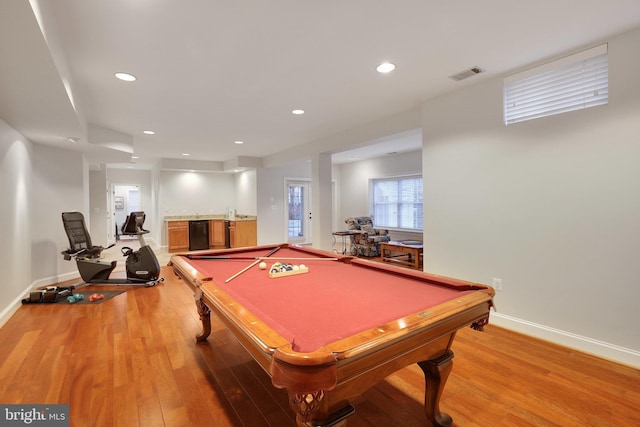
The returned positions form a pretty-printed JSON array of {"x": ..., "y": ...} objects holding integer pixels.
[
  {"x": 242, "y": 271},
  {"x": 250, "y": 265},
  {"x": 241, "y": 258}
]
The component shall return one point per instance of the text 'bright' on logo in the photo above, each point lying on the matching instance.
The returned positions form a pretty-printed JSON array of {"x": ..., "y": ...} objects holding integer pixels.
[{"x": 37, "y": 415}]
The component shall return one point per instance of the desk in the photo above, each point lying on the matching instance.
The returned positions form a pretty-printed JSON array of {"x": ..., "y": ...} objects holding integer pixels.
[
  {"x": 405, "y": 254},
  {"x": 332, "y": 333}
]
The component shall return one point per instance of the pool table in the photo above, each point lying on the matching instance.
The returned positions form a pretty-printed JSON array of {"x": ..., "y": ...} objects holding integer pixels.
[{"x": 337, "y": 326}]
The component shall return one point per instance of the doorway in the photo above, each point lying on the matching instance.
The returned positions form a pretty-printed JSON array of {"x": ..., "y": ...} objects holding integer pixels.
[
  {"x": 298, "y": 206},
  {"x": 126, "y": 199}
]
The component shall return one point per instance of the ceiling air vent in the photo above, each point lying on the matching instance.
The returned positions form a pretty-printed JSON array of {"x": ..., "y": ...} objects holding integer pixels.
[{"x": 466, "y": 74}]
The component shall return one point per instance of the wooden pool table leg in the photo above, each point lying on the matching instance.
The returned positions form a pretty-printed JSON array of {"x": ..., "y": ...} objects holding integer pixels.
[
  {"x": 436, "y": 372},
  {"x": 307, "y": 406},
  {"x": 205, "y": 318}
]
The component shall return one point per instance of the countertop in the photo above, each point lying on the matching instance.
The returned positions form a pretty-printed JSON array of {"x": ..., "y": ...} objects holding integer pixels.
[{"x": 209, "y": 216}]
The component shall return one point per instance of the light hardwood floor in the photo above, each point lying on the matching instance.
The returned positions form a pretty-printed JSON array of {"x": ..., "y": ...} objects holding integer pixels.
[{"x": 133, "y": 361}]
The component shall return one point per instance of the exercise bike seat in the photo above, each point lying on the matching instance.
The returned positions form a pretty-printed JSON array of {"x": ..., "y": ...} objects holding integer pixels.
[
  {"x": 79, "y": 239},
  {"x": 133, "y": 224}
]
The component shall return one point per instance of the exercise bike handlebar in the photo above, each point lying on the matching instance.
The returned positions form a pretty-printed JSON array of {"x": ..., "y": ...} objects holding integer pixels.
[{"x": 69, "y": 253}]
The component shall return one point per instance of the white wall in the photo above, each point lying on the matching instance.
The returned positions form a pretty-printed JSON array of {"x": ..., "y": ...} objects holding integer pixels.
[
  {"x": 15, "y": 234},
  {"x": 354, "y": 179},
  {"x": 59, "y": 185},
  {"x": 38, "y": 184},
  {"x": 156, "y": 223},
  {"x": 246, "y": 192},
  {"x": 194, "y": 193},
  {"x": 550, "y": 206},
  {"x": 98, "y": 209}
]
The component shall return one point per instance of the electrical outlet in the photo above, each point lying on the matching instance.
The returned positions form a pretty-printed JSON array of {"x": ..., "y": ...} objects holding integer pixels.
[{"x": 497, "y": 284}]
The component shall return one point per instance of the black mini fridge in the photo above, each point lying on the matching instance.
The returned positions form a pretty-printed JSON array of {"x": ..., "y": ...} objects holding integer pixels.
[{"x": 198, "y": 235}]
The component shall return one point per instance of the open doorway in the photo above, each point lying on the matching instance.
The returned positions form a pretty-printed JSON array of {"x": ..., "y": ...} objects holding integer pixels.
[{"x": 126, "y": 199}]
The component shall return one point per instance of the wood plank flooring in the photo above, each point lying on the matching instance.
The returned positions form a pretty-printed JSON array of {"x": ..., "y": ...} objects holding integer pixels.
[{"x": 133, "y": 361}]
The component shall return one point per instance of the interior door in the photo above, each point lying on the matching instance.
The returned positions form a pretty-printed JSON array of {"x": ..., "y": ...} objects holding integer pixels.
[{"x": 298, "y": 212}]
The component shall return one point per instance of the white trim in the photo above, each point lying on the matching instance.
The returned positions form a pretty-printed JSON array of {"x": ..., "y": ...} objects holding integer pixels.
[
  {"x": 371, "y": 201},
  {"x": 580, "y": 56},
  {"x": 51, "y": 280},
  {"x": 14, "y": 305},
  {"x": 288, "y": 181},
  {"x": 592, "y": 346}
]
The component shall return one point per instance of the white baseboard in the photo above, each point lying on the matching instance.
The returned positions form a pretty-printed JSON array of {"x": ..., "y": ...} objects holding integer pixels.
[
  {"x": 8, "y": 311},
  {"x": 601, "y": 349},
  {"x": 6, "y": 314},
  {"x": 55, "y": 279}
]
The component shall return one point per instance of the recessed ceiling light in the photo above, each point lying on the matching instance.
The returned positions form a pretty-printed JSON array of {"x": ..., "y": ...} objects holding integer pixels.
[
  {"x": 149, "y": 132},
  {"x": 126, "y": 77},
  {"x": 135, "y": 157},
  {"x": 186, "y": 154},
  {"x": 385, "y": 67},
  {"x": 238, "y": 142},
  {"x": 297, "y": 112}
]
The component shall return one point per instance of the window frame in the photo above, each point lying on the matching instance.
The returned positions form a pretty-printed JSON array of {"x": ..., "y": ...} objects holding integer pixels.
[
  {"x": 398, "y": 179},
  {"x": 572, "y": 83}
]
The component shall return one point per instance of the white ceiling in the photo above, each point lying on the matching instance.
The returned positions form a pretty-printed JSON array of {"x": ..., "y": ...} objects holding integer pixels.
[{"x": 211, "y": 72}]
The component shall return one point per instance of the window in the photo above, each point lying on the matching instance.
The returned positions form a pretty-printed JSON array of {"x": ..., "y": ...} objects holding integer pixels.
[
  {"x": 397, "y": 202},
  {"x": 573, "y": 83}
]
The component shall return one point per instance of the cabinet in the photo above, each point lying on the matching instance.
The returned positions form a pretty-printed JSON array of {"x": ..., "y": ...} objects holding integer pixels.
[
  {"x": 243, "y": 233},
  {"x": 217, "y": 234},
  {"x": 178, "y": 235}
]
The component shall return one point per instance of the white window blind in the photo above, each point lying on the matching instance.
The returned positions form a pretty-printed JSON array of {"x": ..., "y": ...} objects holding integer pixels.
[
  {"x": 397, "y": 203},
  {"x": 573, "y": 83}
]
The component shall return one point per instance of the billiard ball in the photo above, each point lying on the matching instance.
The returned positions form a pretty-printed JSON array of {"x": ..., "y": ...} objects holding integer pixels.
[{"x": 262, "y": 265}]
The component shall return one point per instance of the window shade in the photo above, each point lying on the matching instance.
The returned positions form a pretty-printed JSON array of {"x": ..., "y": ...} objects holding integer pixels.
[
  {"x": 397, "y": 203},
  {"x": 573, "y": 83}
]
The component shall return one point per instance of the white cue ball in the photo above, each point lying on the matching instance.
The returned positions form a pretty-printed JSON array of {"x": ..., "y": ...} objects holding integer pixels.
[{"x": 262, "y": 265}]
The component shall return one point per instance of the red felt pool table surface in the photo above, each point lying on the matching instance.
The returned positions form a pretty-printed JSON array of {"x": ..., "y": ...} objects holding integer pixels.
[{"x": 332, "y": 301}]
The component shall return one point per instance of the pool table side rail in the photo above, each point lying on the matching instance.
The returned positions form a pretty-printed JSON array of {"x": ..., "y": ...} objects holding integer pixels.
[
  {"x": 435, "y": 279},
  {"x": 474, "y": 308}
]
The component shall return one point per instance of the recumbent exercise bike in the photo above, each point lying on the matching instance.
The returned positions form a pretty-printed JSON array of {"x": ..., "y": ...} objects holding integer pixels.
[{"x": 142, "y": 266}]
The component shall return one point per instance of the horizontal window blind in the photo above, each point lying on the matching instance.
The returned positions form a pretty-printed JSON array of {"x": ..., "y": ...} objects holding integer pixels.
[
  {"x": 573, "y": 83},
  {"x": 397, "y": 203}
]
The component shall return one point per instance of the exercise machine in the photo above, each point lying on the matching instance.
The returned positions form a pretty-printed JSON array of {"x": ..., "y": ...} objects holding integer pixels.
[{"x": 142, "y": 266}]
